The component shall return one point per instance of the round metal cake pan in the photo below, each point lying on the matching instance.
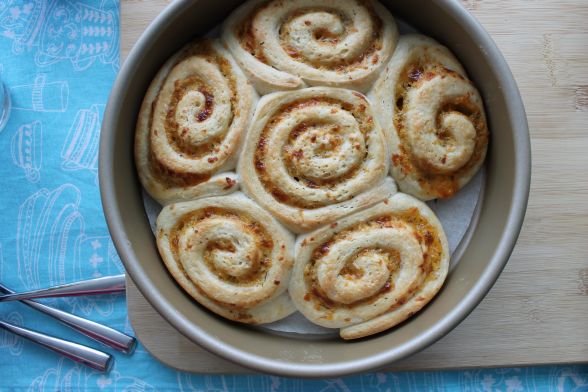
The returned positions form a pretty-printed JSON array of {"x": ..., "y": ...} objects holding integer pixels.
[{"x": 500, "y": 218}]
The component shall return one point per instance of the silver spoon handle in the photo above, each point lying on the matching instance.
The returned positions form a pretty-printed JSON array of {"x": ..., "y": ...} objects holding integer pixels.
[
  {"x": 74, "y": 351},
  {"x": 105, "y": 285}
]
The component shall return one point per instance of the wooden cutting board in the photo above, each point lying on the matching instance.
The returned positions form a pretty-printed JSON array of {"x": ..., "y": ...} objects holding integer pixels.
[{"x": 537, "y": 313}]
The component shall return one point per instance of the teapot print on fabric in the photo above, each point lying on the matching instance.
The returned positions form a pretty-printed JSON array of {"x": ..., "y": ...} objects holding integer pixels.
[
  {"x": 80, "y": 34},
  {"x": 61, "y": 31}
]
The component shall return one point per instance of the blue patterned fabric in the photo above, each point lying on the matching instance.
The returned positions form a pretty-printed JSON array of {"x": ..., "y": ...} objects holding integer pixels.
[{"x": 59, "y": 59}]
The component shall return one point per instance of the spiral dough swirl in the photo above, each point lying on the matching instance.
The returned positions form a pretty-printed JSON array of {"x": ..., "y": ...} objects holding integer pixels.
[
  {"x": 314, "y": 155},
  {"x": 283, "y": 45},
  {"x": 435, "y": 118},
  {"x": 372, "y": 270},
  {"x": 192, "y": 124},
  {"x": 230, "y": 255}
]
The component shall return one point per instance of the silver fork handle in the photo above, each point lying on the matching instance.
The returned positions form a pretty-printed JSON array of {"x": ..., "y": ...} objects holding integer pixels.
[
  {"x": 105, "y": 285},
  {"x": 88, "y": 356}
]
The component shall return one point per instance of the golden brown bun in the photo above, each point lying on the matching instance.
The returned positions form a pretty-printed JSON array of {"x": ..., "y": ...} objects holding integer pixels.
[
  {"x": 285, "y": 45},
  {"x": 434, "y": 118},
  {"x": 314, "y": 155},
  {"x": 229, "y": 255},
  {"x": 192, "y": 124},
  {"x": 371, "y": 270}
]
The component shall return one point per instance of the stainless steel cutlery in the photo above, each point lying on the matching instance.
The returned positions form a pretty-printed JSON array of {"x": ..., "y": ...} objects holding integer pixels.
[
  {"x": 78, "y": 352},
  {"x": 93, "y": 358},
  {"x": 104, "y": 285},
  {"x": 99, "y": 332}
]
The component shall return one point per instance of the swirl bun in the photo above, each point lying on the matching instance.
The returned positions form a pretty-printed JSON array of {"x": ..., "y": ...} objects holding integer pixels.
[
  {"x": 434, "y": 116},
  {"x": 314, "y": 155},
  {"x": 371, "y": 270},
  {"x": 192, "y": 124},
  {"x": 284, "y": 45},
  {"x": 230, "y": 255}
]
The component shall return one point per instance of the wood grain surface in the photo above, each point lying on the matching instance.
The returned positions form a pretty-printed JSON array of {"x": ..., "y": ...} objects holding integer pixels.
[{"x": 537, "y": 313}]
